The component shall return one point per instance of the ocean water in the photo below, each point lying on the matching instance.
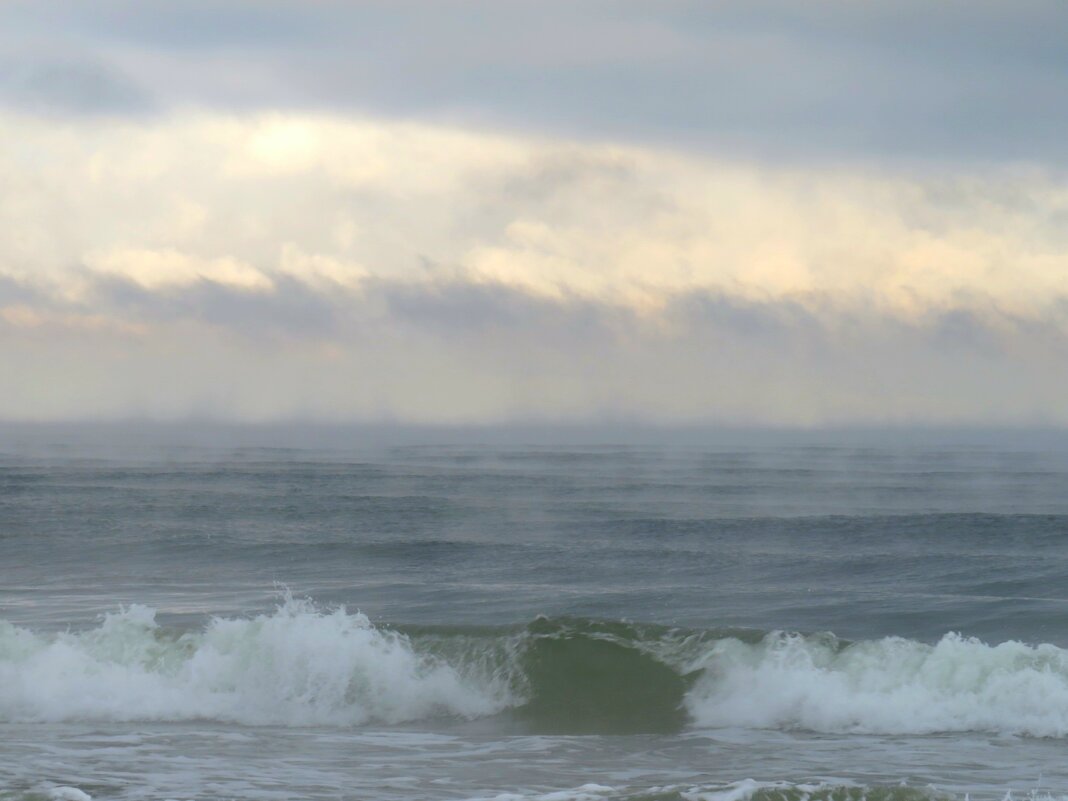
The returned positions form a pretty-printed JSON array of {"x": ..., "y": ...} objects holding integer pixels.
[{"x": 576, "y": 617}]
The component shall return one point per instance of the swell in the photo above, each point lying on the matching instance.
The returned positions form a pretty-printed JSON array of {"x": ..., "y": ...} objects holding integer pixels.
[{"x": 303, "y": 665}]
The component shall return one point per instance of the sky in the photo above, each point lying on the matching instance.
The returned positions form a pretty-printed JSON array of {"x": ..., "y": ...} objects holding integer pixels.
[{"x": 454, "y": 213}]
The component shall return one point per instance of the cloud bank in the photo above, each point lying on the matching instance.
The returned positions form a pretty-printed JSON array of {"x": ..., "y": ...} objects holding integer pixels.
[
  {"x": 263, "y": 266},
  {"x": 888, "y": 79}
]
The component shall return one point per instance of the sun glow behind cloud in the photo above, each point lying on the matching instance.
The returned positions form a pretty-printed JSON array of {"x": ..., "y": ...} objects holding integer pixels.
[{"x": 273, "y": 265}]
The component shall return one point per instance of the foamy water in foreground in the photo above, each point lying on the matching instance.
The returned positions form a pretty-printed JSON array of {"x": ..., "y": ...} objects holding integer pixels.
[{"x": 771, "y": 622}]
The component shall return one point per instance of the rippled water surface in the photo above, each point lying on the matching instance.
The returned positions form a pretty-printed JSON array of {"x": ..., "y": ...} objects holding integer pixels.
[{"x": 455, "y": 616}]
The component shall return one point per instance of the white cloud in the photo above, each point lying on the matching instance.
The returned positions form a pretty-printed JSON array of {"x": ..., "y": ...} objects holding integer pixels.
[
  {"x": 159, "y": 269},
  {"x": 236, "y": 199},
  {"x": 431, "y": 273}
]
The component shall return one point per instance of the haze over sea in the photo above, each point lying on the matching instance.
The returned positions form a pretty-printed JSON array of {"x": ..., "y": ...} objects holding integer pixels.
[
  {"x": 676, "y": 400},
  {"x": 268, "y": 613}
]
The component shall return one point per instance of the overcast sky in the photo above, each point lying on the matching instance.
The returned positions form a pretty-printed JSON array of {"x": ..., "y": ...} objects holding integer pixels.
[{"x": 820, "y": 213}]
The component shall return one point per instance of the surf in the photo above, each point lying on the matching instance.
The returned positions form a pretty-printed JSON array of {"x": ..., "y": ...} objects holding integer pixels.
[{"x": 304, "y": 665}]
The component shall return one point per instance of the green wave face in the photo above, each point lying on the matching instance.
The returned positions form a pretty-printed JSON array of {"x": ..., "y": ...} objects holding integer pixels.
[{"x": 592, "y": 678}]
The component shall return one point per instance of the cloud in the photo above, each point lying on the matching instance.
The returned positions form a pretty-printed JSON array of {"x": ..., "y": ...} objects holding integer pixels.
[
  {"x": 287, "y": 309},
  {"x": 66, "y": 85},
  {"x": 155, "y": 269},
  {"x": 332, "y": 202},
  {"x": 827, "y": 80},
  {"x": 461, "y": 354},
  {"x": 266, "y": 266}
]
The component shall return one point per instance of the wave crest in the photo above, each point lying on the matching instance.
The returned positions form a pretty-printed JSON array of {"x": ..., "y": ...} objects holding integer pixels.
[
  {"x": 302, "y": 665},
  {"x": 887, "y": 686},
  {"x": 297, "y": 666}
]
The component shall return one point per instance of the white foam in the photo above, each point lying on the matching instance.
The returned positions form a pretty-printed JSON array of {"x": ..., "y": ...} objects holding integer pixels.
[
  {"x": 306, "y": 666},
  {"x": 893, "y": 686},
  {"x": 587, "y": 792},
  {"x": 738, "y": 791},
  {"x": 298, "y": 666},
  {"x": 68, "y": 794}
]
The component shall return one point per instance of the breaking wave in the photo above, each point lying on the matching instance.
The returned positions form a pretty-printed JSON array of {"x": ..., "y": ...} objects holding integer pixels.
[
  {"x": 297, "y": 666},
  {"x": 302, "y": 665}
]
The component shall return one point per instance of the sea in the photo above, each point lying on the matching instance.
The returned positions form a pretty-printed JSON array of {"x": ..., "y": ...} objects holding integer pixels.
[{"x": 532, "y": 614}]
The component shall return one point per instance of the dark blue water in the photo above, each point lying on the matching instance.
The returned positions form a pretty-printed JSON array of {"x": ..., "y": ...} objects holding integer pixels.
[{"x": 660, "y": 616}]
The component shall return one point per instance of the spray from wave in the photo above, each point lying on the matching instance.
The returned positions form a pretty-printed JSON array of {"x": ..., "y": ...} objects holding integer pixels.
[
  {"x": 302, "y": 665},
  {"x": 887, "y": 686},
  {"x": 297, "y": 666}
]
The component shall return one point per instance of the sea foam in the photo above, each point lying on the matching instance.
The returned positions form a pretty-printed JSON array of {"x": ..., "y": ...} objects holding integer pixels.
[
  {"x": 302, "y": 665},
  {"x": 298, "y": 666},
  {"x": 887, "y": 686}
]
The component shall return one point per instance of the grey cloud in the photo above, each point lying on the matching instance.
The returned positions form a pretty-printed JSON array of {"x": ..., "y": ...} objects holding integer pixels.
[
  {"x": 776, "y": 78},
  {"x": 468, "y": 313},
  {"x": 203, "y": 24},
  {"x": 291, "y": 309},
  {"x": 460, "y": 310},
  {"x": 13, "y": 292},
  {"x": 450, "y": 310},
  {"x": 456, "y": 352},
  {"x": 68, "y": 86},
  {"x": 759, "y": 321}
]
